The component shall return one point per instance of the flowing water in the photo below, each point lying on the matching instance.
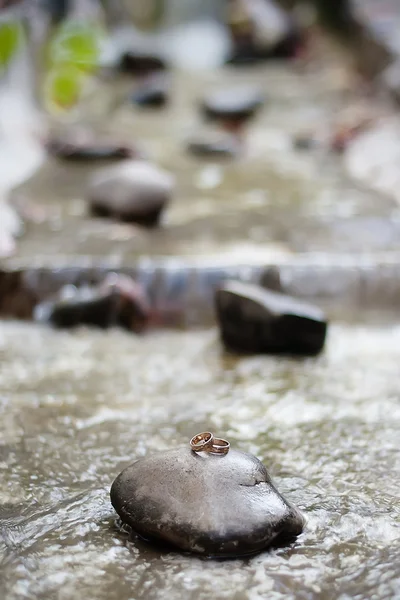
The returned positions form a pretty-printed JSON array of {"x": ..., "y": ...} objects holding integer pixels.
[{"x": 77, "y": 407}]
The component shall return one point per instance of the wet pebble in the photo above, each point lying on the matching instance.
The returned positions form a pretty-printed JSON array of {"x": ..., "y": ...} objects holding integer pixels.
[
  {"x": 213, "y": 505},
  {"x": 135, "y": 191},
  {"x": 214, "y": 145},
  {"x": 253, "y": 319},
  {"x": 153, "y": 93},
  {"x": 117, "y": 301},
  {"x": 236, "y": 104},
  {"x": 84, "y": 146}
]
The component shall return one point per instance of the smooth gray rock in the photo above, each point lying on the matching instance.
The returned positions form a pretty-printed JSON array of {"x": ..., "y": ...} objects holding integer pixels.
[
  {"x": 257, "y": 320},
  {"x": 214, "y": 505},
  {"x": 135, "y": 191}
]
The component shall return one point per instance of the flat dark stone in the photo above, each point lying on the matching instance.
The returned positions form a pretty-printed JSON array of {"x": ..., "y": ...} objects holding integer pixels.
[
  {"x": 139, "y": 63},
  {"x": 84, "y": 148},
  {"x": 222, "y": 146},
  {"x": 234, "y": 104},
  {"x": 213, "y": 505},
  {"x": 256, "y": 320},
  {"x": 135, "y": 191},
  {"x": 118, "y": 301}
]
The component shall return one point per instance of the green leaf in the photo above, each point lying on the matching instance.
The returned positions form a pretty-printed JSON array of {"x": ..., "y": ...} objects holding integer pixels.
[
  {"x": 10, "y": 38},
  {"x": 63, "y": 87},
  {"x": 76, "y": 44}
]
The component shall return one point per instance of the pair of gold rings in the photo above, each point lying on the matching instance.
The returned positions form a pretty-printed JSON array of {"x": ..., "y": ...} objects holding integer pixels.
[{"x": 206, "y": 442}]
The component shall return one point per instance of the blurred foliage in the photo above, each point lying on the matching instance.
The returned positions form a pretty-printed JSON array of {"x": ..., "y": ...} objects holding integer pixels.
[
  {"x": 10, "y": 40},
  {"x": 76, "y": 43},
  {"x": 63, "y": 87},
  {"x": 73, "y": 54}
]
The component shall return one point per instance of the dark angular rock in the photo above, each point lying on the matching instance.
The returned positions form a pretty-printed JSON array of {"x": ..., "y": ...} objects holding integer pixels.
[
  {"x": 232, "y": 104},
  {"x": 118, "y": 301},
  {"x": 153, "y": 93},
  {"x": 140, "y": 63},
  {"x": 134, "y": 191},
  {"x": 213, "y": 505},
  {"x": 257, "y": 320}
]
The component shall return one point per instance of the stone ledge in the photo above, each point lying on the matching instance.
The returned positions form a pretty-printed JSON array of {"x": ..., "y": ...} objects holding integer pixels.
[{"x": 182, "y": 292}]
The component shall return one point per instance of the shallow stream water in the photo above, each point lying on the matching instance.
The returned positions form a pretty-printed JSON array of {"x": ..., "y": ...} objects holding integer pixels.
[{"x": 78, "y": 407}]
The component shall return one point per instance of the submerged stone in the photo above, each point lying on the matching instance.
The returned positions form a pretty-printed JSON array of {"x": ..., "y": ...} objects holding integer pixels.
[
  {"x": 206, "y": 504},
  {"x": 254, "y": 319},
  {"x": 117, "y": 301},
  {"x": 233, "y": 104},
  {"x": 134, "y": 191}
]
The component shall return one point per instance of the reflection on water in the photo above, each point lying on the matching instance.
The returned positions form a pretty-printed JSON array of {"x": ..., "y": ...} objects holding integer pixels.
[{"x": 78, "y": 407}]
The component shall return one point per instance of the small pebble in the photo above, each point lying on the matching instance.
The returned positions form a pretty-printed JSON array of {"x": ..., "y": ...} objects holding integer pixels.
[{"x": 237, "y": 104}]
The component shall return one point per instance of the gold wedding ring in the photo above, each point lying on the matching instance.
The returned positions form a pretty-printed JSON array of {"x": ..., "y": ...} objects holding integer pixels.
[
  {"x": 206, "y": 442},
  {"x": 202, "y": 442},
  {"x": 220, "y": 446}
]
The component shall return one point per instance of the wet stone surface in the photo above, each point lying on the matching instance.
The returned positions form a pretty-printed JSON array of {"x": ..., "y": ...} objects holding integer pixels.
[{"x": 214, "y": 505}]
